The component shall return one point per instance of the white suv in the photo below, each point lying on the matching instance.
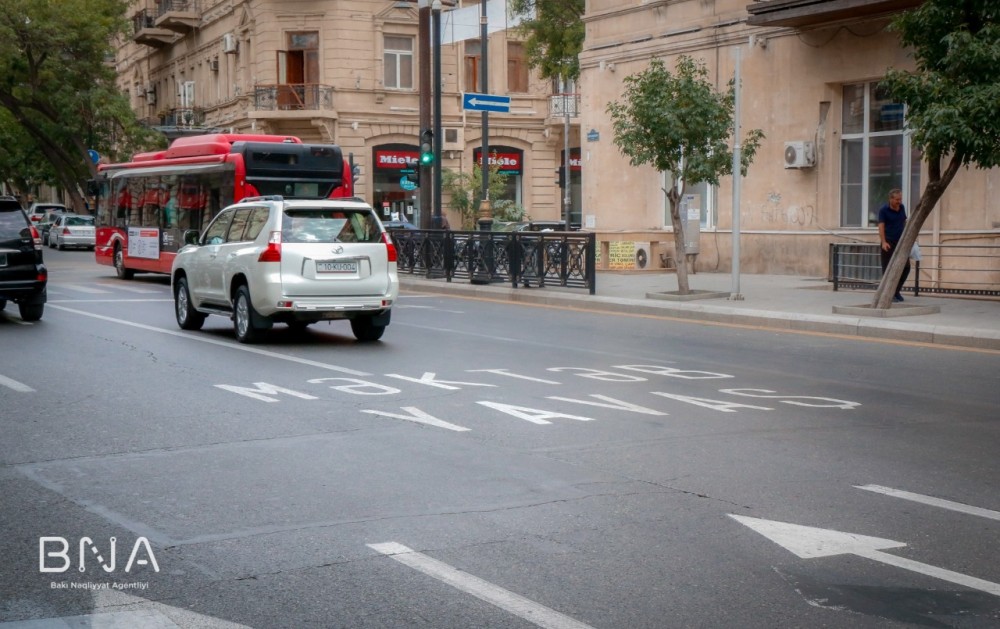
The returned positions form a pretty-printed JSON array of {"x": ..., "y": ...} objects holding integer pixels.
[{"x": 268, "y": 259}]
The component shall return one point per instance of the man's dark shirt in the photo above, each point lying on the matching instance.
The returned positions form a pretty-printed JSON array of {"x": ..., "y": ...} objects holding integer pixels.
[{"x": 894, "y": 222}]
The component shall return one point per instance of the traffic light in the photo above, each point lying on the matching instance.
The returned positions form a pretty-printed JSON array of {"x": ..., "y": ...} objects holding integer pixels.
[
  {"x": 415, "y": 176},
  {"x": 561, "y": 177},
  {"x": 426, "y": 147}
]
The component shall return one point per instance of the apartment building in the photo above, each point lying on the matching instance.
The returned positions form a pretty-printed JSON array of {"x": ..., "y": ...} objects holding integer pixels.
[
  {"x": 835, "y": 144},
  {"x": 346, "y": 72}
]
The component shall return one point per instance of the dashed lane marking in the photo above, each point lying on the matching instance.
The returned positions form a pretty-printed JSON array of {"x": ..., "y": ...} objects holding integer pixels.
[
  {"x": 932, "y": 501},
  {"x": 14, "y": 384},
  {"x": 533, "y": 612}
]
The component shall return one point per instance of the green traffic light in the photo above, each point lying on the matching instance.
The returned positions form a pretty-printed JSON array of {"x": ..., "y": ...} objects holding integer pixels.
[{"x": 426, "y": 159}]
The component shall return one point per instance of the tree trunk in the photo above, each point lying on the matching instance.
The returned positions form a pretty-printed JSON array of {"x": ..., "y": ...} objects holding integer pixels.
[
  {"x": 936, "y": 185},
  {"x": 680, "y": 260}
]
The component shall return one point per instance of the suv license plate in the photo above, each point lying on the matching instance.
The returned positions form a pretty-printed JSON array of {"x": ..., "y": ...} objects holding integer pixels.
[{"x": 337, "y": 267}]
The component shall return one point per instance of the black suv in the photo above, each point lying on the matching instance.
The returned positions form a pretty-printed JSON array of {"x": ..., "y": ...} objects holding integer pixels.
[{"x": 22, "y": 274}]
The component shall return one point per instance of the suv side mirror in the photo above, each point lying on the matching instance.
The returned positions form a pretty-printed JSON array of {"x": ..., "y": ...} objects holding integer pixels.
[{"x": 191, "y": 237}]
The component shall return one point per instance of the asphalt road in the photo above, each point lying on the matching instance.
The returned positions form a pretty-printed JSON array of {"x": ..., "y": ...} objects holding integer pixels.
[{"x": 486, "y": 465}]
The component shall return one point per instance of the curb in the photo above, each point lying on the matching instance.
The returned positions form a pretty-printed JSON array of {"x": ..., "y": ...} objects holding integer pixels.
[{"x": 853, "y": 324}]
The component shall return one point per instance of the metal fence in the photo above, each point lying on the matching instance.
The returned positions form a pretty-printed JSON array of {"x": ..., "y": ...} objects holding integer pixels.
[
  {"x": 943, "y": 269},
  {"x": 528, "y": 259}
]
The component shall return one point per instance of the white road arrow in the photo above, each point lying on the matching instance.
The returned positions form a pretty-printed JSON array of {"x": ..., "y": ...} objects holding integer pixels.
[{"x": 808, "y": 542}]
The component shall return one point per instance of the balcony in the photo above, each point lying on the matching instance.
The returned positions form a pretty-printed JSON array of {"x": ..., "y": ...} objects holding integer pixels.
[
  {"x": 180, "y": 16},
  {"x": 146, "y": 32},
  {"x": 561, "y": 105},
  {"x": 293, "y": 97},
  {"x": 183, "y": 117},
  {"x": 807, "y": 13}
]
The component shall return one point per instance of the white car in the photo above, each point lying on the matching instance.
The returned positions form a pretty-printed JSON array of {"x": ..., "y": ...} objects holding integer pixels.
[
  {"x": 72, "y": 230},
  {"x": 269, "y": 260}
]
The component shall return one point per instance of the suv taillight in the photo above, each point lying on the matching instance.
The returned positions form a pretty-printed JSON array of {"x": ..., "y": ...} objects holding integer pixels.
[
  {"x": 272, "y": 253},
  {"x": 390, "y": 248},
  {"x": 36, "y": 238}
]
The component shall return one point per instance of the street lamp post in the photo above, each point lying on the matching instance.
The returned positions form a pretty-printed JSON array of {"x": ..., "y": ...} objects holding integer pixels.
[{"x": 436, "y": 23}]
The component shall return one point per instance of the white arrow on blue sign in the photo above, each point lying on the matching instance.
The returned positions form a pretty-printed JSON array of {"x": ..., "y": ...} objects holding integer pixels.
[{"x": 485, "y": 102}]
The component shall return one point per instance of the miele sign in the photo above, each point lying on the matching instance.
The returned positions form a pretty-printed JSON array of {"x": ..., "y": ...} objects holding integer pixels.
[{"x": 396, "y": 159}]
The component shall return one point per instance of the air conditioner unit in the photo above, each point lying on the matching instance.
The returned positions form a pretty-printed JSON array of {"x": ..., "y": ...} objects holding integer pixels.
[
  {"x": 800, "y": 154},
  {"x": 453, "y": 140},
  {"x": 150, "y": 95},
  {"x": 230, "y": 45},
  {"x": 213, "y": 64},
  {"x": 643, "y": 255}
]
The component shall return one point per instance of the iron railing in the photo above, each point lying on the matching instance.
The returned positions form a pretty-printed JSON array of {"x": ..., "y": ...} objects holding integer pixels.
[
  {"x": 166, "y": 6},
  {"x": 943, "y": 269},
  {"x": 529, "y": 259},
  {"x": 293, "y": 96}
]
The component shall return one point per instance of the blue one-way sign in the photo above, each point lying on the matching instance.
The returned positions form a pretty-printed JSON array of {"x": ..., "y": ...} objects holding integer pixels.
[{"x": 485, "y": 102}]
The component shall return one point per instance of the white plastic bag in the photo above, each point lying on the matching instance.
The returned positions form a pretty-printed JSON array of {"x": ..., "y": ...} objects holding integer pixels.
[{"x": 915, "y": 252}]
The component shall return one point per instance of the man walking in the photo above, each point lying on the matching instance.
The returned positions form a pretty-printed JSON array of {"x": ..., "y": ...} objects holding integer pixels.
[{"x": 891, "y": 221}]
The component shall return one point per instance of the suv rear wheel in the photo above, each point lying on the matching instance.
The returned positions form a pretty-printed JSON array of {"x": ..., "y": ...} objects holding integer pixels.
[
  {"x": 31, "y": 312},
  {"x": 243, "y": 317},
  {"x": 365, "y": 330}
]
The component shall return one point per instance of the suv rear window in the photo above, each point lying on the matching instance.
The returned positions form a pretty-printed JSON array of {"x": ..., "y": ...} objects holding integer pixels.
[
  {"x": 329, "y": 226},
  {"x": 13, "y": 226}
]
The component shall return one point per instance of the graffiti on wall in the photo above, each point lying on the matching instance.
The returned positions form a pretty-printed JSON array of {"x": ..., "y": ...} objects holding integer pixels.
[{"x": 774, "y": 212}]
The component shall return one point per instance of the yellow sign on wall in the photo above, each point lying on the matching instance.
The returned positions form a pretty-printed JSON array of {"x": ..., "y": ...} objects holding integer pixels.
[{"x": 621, "y": 255}]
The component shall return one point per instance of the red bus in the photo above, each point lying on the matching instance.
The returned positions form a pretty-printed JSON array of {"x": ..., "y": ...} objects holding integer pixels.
[{"x": 145, "y": 206}]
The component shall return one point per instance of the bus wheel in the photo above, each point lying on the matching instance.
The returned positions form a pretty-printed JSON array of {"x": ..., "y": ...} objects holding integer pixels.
[
  {"x": 243, "y": 317},
  {"x": 187, "y": 317},
  {"x": 123, "y": 273}
]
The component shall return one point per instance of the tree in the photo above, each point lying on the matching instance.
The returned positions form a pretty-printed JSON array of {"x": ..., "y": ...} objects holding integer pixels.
[
  {"x": 951, "y": 103},
  {"x": 57, "y": 85},
  {"x": 679, "y": 124},
  {"x": 465, "y": 191},
  {"x": 554, "y": 33}
]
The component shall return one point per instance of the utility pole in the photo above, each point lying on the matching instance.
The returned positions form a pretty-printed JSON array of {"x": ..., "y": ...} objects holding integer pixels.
[
  {"x": 436, "y": 22},
  {"x": 485, "y": 208},
  {"x": 567, "y": 197},
  {"x": 735, "y": 294},
  {"x": 424, "y": 50}
]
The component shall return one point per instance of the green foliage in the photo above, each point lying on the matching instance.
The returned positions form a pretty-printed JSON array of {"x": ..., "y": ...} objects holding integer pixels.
[
  {"x": 58, "y": 87},
  {"x": 951, "y": 103},
  {"x": 953, "y": 97},
  {"x": 679, "y": 123},
  {"x": 554, "y": 33},
  {"x": 464, "y": 191}
]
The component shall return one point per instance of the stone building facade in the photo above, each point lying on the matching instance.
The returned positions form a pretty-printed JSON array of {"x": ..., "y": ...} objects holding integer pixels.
[
  {"x": 346, "y": 72},
  {"x": 835, "y": 145}
]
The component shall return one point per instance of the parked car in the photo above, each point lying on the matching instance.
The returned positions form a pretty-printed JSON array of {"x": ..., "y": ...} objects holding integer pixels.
[
  {"x": 267, "y": 260},
  {"x": 390, "y": 225},
  {"x": 23, "y": 276},
  {"x": 45, "y": 225},
  {"x": 72, "y": 230},
  {"x": 37, "y": 210}
]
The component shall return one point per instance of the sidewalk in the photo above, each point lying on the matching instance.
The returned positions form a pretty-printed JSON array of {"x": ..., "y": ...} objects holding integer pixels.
[{"x": 771, "y": 301}]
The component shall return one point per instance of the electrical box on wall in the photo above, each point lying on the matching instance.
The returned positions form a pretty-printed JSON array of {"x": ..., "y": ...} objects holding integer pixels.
[
  {"x": 800, "y": 154},
  {"x": 454, "y": 140}
]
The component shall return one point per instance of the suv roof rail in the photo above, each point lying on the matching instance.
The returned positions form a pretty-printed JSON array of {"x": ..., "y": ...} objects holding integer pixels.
[{"x": 266, "y": 197}]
